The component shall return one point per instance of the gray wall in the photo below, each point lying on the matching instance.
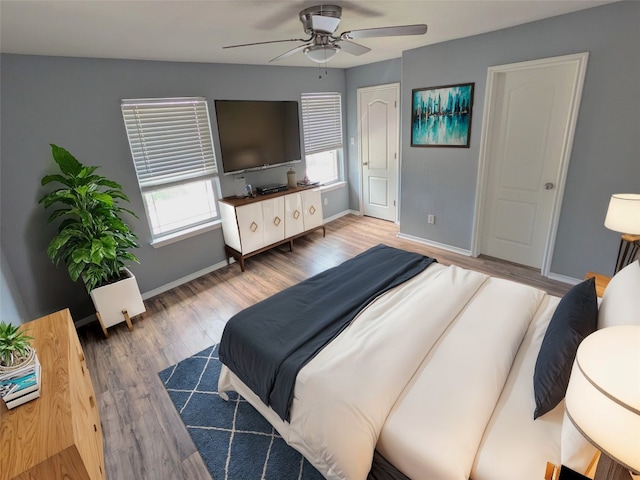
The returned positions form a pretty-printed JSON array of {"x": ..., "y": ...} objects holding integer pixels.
[
  {"x": 12, "y": 309},
  {"x": 75, "y": 103},
  {"x": 379, "y": 73},
  {"x": 605, "y": 157}
]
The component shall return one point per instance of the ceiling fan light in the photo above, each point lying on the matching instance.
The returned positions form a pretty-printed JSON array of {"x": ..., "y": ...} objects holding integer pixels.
[{"x": 321, "y": 53}]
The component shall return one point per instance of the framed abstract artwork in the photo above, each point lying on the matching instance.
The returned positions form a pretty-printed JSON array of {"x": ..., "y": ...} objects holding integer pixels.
[{"x": 441, "y": 116}]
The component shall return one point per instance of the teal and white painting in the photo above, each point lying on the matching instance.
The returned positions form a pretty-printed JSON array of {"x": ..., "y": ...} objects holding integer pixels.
[{"x": 441, "y": 116}]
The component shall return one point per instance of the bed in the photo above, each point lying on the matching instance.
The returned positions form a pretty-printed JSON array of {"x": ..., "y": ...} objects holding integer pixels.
[{"x": 435, "y": 375}]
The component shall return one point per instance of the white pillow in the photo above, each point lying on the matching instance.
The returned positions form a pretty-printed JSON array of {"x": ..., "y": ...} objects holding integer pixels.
[{"x": 621, "y": 300}]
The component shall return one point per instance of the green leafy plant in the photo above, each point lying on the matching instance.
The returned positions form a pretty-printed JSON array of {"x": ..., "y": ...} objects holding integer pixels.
[
  {"x": 14, "y": 344},
  {"x": 92, "y": 239}
]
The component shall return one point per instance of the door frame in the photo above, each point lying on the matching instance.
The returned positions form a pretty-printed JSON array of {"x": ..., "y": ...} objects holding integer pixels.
[
  {"x": 359, "y": 92},
  {"x": 491, "y": 95}
]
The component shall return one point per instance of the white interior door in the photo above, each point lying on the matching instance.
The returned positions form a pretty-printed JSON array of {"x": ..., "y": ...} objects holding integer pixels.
[
  {"x": 533, "y": 113},
  {"x": 378, "y": 127}
]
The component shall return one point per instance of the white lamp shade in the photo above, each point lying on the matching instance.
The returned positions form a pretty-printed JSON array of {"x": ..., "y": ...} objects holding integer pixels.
[
  {"x": 603, "y": 396},
  {"x": 623, "y": 214}
]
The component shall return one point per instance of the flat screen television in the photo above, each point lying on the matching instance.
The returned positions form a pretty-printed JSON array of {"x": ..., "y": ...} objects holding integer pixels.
[{"x": 257, "y": 134}]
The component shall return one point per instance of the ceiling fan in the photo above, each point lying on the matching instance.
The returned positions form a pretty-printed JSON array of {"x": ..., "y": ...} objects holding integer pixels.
[{"x": 320, "y": 22}]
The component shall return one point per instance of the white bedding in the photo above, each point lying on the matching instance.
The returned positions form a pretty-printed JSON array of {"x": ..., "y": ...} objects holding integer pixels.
[
  {"x": 434, "y": 430},
  {"x": 513, "y": 441},
  {"x": 387, "y": 380}
]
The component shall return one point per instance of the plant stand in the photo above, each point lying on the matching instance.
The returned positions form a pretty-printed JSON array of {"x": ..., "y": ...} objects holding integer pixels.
[
  {"x": 118, "y": 302},
  {"x": 127, "y": 319}
]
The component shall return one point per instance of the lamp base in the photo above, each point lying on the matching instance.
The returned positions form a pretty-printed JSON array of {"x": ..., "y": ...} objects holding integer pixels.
[{"x": 609, "y": 469}]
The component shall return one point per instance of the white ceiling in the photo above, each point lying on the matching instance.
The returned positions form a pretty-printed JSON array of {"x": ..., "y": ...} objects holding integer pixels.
[{"x": 195, "y": 31}]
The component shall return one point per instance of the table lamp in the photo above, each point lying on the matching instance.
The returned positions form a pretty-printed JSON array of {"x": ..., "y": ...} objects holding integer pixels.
[
  {"x": 603, "y": 399},
  {"x": 623, "y": 215}
]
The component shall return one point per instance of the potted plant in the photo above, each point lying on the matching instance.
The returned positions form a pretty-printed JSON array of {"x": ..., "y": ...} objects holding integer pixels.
[
  {"x": 93, "y": 240},
  {"x": 19, "y": 366},
  {"x": 15, "y": 349}
]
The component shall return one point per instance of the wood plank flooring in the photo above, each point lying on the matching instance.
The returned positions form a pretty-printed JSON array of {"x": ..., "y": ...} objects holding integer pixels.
[{"x": 144, "y": 437}]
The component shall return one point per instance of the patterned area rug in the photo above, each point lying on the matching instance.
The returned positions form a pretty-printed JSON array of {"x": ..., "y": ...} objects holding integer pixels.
[{"x": 235, "y": 442}]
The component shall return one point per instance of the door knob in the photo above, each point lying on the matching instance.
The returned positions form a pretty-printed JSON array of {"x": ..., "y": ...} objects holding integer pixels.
[
  {"x": 365, "y": 164},
  {"x": 548, "y": 186}
]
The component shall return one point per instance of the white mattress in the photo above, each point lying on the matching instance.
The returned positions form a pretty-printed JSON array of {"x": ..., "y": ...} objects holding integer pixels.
[{"x": 338, "y": 416}]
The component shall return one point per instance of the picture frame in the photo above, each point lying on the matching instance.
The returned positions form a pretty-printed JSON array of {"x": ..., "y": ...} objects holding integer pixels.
[{"x": 441, "y": 116}]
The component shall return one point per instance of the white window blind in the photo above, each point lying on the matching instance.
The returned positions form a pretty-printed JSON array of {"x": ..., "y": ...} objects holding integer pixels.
[
  {"x": 170, "y": 139},
  {"x": 321, "y": 122}
]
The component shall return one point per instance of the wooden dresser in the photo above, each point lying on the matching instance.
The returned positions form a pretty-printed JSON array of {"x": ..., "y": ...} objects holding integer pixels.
[{"x": 57, "y": 436}]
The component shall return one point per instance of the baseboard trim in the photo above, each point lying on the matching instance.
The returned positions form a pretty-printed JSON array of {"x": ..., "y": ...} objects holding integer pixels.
[
  {"x": 185, "y": 279},
  {"x": 341, "y": 214},
  {"x": 563, "y": 278},
  {"x": 157, "y": 291},
  {"x": 431, "y": 243},
  {"x": 85, "y": 321}
]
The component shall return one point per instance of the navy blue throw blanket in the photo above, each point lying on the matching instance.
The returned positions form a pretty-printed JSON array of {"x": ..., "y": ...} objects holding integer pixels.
[{"x": 268, "y": 343}]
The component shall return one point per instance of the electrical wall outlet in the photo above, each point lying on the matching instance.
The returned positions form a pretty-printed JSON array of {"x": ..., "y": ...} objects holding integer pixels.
[{"x": 431, "y": 219}]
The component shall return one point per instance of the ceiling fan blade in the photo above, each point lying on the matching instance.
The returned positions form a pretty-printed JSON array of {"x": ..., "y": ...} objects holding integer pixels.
[
  {"x": 290, "y": 52},
  {"x": 323, "y": 24},
  {"x": 419, "y": 29},
  {"x": 271, "y": 41},
  {"x": 352, "y": 47}
]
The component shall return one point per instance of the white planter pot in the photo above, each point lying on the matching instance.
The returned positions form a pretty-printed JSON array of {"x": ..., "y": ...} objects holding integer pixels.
[{"x": 111, "y": 300}]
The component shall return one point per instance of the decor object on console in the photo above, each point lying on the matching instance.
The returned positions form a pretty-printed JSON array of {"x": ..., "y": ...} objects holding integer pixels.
[
  {"x": 291, "y": 178},
  {"x": 623, "y": 215},
  {"x": 93, "y": 240},
  {"x": 603, "y": 398},
  {"x": 20, "y": 373}
]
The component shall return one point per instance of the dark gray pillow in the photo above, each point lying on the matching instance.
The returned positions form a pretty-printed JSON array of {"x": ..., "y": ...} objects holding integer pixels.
[{"x": 575, "y": 317}]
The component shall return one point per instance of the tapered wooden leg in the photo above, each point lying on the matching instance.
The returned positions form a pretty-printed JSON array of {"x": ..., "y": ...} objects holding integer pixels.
[
  {"x": 104, "y": 329},
  {"x": 128, "y": 320}
]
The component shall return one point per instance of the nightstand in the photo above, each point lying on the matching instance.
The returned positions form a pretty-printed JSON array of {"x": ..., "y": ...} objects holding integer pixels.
[
  {"x": 601, "y": 282},
  {"x": 552, "y": 472}
]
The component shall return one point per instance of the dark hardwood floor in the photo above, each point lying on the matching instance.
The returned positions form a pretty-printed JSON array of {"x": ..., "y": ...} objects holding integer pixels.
[{"x": 144, "y": 437}]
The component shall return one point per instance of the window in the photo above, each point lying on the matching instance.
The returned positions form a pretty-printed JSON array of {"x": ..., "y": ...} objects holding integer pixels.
[
  {"x": 172, "y": 150},
  {"x": 322, "y": 129}
]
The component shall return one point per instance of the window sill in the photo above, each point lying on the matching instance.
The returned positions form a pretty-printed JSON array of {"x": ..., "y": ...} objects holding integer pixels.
[
  {"x": 332, "y": 186},
  {"x": 184, "y": 234}
]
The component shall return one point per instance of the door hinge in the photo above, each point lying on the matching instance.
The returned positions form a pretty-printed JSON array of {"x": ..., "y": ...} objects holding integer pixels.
[
  {"x": 395, "y": 156},
  {"x": 394, "y": 203},
  {"x": 395, "y": 104}
]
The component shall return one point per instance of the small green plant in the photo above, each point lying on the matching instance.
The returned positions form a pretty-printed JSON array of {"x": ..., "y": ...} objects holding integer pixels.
[
  {"x": 92, "y": 239},
  {"x": 13, "y": 344}
]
